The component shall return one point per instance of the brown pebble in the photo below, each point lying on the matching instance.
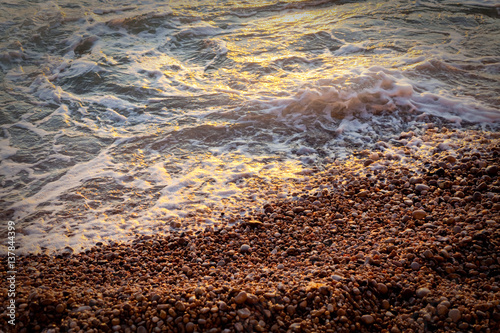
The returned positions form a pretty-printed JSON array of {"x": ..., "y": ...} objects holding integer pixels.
[
  {"x": 368, "y": 319},
  {"x": 190, "y": 327},
  {"x": 252, "y": 299},
  {"x": 382, "y": 288},
  {"x": 415, "y": 266},
  {"x": 241, "y": 297},
  {"x": 421, "y": 187},
  {"x": 180, "y": 306},
  {"x": 492, "y": 170},
  {"x": 187, "y": 270},
  {"x": 243, "y": 313},
  {"x": 363, "y": 194},
  {"x": 428, "y": 254},
  {"x": 245, "y": 248},
  {"x": 441, "y": 309},
  {"x": 454, "y": 315},
  {"x": 222, "y": 306},
  {"x": 444, "y": 184},
  {"x": 395, "y": 329},
  {"x": 419, "y": 214},
  {"x": 238, "y": 327},
  {"x": 451, "y": 159},
  {"x": 60, "y": 308},
  {"x": 422, "y": 292}
]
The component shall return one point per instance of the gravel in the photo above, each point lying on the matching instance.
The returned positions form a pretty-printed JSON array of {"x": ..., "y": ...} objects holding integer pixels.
[{"x": 324, "y": 260}]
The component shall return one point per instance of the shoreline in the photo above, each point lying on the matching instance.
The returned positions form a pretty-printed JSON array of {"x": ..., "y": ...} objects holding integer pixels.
[{"x": 379, "y": 243}]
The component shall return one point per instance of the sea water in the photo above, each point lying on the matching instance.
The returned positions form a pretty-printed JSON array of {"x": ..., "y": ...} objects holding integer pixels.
[{"x": 120, "y": 118}]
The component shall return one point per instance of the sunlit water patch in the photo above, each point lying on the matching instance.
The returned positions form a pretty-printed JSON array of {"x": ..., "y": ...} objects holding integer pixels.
[{"x": 136, "y": 117}]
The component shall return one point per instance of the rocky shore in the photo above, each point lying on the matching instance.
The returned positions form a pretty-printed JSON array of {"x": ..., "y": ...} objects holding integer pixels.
[{"x": 377, "y": 243}]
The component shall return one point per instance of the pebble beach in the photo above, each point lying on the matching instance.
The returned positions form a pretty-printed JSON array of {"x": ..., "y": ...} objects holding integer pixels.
[{"x": 400, "y": 239}]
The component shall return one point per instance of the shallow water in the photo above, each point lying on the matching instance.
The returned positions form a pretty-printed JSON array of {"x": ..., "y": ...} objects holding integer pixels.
[{"x": 127, "y": 117}]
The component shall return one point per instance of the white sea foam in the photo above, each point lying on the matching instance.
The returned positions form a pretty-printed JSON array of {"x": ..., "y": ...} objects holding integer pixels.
[
  {"x": 199, "y": 29},
  {"x": 112, "y": 102},
  {"x": 349, "y": 49}
]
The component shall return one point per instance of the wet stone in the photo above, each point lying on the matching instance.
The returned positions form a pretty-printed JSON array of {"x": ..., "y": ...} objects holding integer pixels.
[
  {"x": 336, "y": 277},
  {"x": 245, "y": 248},
  {"x": 422, "y": 292},
  {"x": 190, "y": 327},
  {"x": 180, "y": 306},
  {"x": 419, "y": 214},
  {"x": 492, "y": 170},
  {"x": 241, "y": 297},
  {"x": 441, "y": 309},
  {"x": 421, "y": 187},
  {"x": 252, "y": 299},
  {"x": 428, "y": 254},
  {"x": 238, "y": 327},
  {"x": 244, "y": 313},
  {"x": 382, "y": 288},
  {"x": 454, "y": 315},
  {"x": 368, "y": 319}
]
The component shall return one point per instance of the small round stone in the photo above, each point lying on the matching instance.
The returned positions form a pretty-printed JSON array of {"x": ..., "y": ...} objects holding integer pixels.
[
  {"x": 422, "y": 292},
  {"x": 336, "y": 277},
  {"x": 252, "y": 299},
  {"x": 454, "y": 315},
  {"x": 222, "y": 305},
  {"x": 190, "y": 327},
  {"x": 441, "y": 309},
  {"x": 368, "y": 319},
  {"x": 415, "y": 266},
  {"x": 451, "y": 159},
  {"x": 492, "y": 170},
  {"x": 241, "y": 297},
  {"x": 60, "y": 308},
  {"x": 180, "y": 306},
  {"x": 382, "y": 288},
  {"x": 245, "y": 248},
  {"x": 428, "y": 254},
  {"x": 421, "y": 187},
  {"x": 419, "y": 214},
  {"x": 243, "y": 313}
]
